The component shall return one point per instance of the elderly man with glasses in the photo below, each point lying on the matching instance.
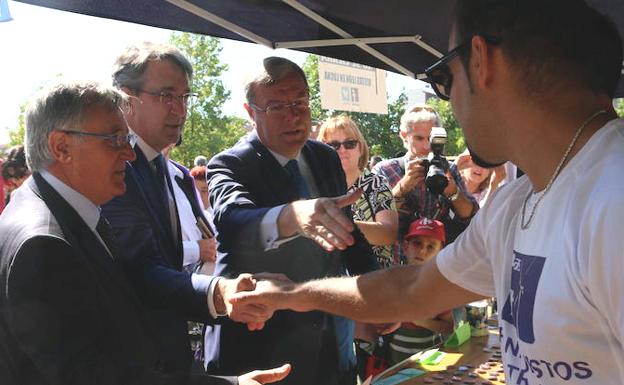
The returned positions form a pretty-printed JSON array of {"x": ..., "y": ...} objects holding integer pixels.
[
  {"x": 266, "y": 194},
  {"x": 146, "y": 218},
  {"x": 68, "y": 313}
]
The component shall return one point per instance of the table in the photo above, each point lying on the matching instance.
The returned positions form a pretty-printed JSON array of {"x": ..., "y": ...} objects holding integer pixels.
[{"x": 476, "y": 362}]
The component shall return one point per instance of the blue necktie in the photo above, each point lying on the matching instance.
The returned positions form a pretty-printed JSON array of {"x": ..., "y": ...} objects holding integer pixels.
[
  {"x": 159, "y": 167},
  {"x": 292, "y": 168}
]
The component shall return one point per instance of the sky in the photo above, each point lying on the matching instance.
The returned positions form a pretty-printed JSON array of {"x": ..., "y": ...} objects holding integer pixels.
[{"x": 41, "y": 44}]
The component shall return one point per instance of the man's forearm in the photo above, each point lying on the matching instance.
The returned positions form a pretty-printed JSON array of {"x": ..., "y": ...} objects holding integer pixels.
[{"x": 381, "y": 296}]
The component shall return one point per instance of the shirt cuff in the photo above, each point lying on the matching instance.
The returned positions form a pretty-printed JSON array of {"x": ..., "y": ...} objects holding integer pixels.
[
  {"x": 201, "y": 283},
  {"x": 269, "y": 232},
  {"x": 211, "y": 306},
  {"x": 191, "y": 252}
]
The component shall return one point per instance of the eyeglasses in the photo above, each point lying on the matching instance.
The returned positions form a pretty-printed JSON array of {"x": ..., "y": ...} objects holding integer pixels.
[
  {"x": 118, "y": 142},
  {"x": 439, "y": 73},
  {"x": 168, "y": 98},
  {"x": 296, "y": 107},
  {"x": 348, "y": 144}
]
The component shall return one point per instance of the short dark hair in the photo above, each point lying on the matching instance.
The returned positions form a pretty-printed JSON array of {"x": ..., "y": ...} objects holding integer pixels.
[
  {"x": 550, "y": 42},
  {"x": 274, "y": 69},
  {"x": 15, "y": 164},
  {"x": 131, "y": 64}
]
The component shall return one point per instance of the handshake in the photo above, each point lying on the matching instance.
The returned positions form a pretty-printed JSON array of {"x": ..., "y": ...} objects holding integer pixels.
[{"x": 252, "y": 299}]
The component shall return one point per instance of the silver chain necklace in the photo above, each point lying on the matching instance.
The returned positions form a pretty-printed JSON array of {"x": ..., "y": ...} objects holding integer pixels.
[{"x": 524, "y": 225}]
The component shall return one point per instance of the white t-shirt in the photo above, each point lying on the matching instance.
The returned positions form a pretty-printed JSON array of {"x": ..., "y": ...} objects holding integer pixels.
[{"x": 559, "y": 283}]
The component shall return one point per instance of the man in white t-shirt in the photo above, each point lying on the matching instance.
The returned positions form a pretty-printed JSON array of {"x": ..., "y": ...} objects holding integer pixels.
[{"x": 531, "y": 82}]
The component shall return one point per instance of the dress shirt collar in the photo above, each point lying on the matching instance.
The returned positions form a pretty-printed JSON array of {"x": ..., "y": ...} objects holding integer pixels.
[
  {"x": 147, "y": 150},
  {"x": 282, "y": 160},
  {"x": 89, "y": 212}
]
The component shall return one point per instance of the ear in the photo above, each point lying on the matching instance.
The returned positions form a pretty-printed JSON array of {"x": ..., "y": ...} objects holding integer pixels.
[
  {"x": 403, "y": 135},
  {"x": 128, "y": 91},
  {"x": 133, "y": 100},
  {"x": 250, "y": 111},
  {"x": 60, "y": 147},
  {"x": 481, "y": 62}
]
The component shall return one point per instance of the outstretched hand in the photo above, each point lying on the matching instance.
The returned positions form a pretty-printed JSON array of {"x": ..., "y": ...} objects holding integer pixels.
[
  {"x": 322, "y": 220},
  {"x": 258, "y": 377},
  {"x": 227, "y": 288},
  {"x": 269, "y": 295}
]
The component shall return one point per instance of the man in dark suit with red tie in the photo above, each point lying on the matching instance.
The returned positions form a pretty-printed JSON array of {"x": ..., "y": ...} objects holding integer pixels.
[{"x": 265, "y": 194}]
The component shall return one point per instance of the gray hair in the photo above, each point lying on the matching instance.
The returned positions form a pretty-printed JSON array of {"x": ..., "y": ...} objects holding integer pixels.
[
  {"x": 131, "y": 64},
  {"x": 419, "y": 113},
  {"x": 275, "y": 69},
  {"x": 62, "y": 107}
]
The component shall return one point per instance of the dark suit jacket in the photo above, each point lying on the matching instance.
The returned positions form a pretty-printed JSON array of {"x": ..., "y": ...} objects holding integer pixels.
[
  {"x": 67, "y": 312},
  {"x": 153, "y": 259},
  {"x": 245, "y": 182}
]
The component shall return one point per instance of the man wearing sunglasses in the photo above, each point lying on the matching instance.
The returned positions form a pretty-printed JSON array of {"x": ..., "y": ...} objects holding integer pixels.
[
  {"x": 269, "y": 215},
  {"x": 145, "y": 219},
  {"x": 406, "y": 176},
  {"x": 532, "y": 82}
]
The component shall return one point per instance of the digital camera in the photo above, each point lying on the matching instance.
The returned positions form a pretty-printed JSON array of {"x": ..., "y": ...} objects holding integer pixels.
[{"x": 436, "y": 164}]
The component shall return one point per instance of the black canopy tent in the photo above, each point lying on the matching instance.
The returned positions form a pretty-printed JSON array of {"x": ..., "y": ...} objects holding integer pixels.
[{"x": 398, "y": 35}]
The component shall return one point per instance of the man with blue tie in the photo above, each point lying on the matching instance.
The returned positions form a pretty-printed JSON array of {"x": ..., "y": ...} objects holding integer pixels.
[
  {"x": 265, "y": 194},
  {"x": 145, "y": 219},
  {"x": 68, "y": 313}
]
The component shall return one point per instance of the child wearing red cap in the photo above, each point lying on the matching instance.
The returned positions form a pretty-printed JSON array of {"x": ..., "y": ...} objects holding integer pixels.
[{"x": 424, "y": 239}]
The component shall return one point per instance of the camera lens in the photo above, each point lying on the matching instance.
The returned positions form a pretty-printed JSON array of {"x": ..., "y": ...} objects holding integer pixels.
[{"x": 436, "y": 180}]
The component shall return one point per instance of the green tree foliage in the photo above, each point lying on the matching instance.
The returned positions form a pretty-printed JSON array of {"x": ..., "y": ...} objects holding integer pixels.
[
  {"x": 16, "y": 135},
  {"x": 207, "y": 131},
  {"x": 381, "y": 131},
  {"x": 619, "y": 107},
  {"x": 455, "y": 143}
]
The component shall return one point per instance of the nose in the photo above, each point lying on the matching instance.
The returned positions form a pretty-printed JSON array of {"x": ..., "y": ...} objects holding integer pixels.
[{"x": 178, "y": 107}]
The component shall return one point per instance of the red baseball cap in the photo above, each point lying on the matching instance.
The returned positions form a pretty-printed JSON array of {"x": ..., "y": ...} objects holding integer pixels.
[{"x": 427, "y": 227}]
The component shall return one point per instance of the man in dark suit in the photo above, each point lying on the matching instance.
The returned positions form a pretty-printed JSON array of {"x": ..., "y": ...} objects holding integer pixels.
[
  {"x": 145, "y": 218},
  {"x": 68, "y": 314},
  {"x": 259, "y": 190}
]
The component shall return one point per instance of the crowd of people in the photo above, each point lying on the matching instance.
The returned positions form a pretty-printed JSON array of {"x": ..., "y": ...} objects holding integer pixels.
[{"x": 306, "y": 259}]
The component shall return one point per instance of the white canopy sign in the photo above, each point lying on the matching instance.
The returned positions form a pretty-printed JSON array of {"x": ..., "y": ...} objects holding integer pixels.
[{"x": 352, "y": 87}]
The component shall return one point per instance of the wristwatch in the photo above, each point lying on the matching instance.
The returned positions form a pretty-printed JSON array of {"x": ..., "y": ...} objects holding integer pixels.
[{"x": 453, "y": 197}]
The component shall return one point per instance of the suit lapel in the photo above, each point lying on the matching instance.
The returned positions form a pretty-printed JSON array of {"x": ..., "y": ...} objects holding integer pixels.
[
  {"x": 147, "y": 188},
  {"x": 79, "y": 235},
  {"x": 187, "y": 185}
]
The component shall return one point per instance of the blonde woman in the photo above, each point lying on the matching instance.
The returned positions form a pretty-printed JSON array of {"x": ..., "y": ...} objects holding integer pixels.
[{"x": 375, "y": 212}]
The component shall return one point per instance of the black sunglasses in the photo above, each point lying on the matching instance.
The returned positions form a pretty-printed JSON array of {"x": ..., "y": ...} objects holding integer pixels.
[
  {"x": 348, "y": 144},
  {"x": 439, "y": 74}
]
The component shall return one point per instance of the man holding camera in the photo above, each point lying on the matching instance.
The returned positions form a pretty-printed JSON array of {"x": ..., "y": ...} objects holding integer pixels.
[{"x": 406, "y": 175}]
